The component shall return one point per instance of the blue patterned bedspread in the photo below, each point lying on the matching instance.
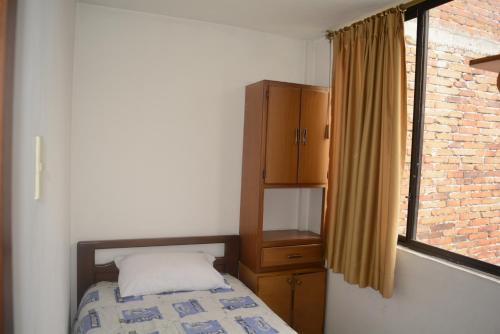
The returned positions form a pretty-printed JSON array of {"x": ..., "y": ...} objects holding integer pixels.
[{"x": 220, "y": 311}]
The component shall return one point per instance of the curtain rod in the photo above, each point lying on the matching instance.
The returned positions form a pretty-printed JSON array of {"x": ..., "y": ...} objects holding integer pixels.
[{"x": 403, "y": 7}]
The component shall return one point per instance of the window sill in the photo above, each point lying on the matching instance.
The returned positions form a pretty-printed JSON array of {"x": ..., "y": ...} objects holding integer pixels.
[{"x": 462, "y": 268}]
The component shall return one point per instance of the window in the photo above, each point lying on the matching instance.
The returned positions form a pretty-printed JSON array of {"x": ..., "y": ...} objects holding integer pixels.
[{"x": 450, "y": 204}]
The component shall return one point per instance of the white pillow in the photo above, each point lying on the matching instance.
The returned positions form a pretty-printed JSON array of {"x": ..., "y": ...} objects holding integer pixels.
[{"x": 143, "y": 274}]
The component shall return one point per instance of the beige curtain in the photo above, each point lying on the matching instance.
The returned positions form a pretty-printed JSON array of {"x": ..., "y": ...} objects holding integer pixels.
[{"x": 368, "y": 150}]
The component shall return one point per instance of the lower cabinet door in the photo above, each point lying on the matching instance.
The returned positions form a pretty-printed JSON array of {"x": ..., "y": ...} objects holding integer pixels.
[
  {"x": 276, "y": 292},
  {"x": 309, "y": 303}
]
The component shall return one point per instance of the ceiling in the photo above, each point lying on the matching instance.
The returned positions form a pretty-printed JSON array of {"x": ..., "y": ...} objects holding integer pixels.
[{"x": 305, "y": 19}]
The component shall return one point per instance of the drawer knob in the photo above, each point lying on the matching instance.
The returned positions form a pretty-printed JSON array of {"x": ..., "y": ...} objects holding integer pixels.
[{"x": 294, "y": 256}]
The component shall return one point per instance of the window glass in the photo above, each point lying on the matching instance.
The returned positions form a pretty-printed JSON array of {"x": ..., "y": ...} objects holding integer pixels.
[
  {"x": 410, "y": 37},
  {"x": 459, "y": 204}
]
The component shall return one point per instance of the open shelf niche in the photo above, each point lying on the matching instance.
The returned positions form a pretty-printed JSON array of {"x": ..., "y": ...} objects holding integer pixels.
[{"x": 292, "y": 216}]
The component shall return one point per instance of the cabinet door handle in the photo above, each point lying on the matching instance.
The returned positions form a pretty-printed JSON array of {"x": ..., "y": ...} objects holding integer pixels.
[
  {"x": 294, "y": 256},
  {"x": 304, "y": 137},
  {"x": 297, "y": 136},
  {"x": 289, "y": 281},
  {"x": 298, "y": 282}
]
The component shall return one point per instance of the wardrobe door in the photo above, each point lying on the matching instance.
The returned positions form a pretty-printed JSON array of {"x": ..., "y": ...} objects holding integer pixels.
[
  {"x": 283, "y": 112},
  {"x": 309, "y": 303},
  {"x": 314, "y": 146},
  {"x": 276, "y": 292}
]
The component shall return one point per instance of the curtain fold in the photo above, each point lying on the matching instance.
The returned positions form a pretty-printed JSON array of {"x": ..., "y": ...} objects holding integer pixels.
[{"x": 368, "y": 150}]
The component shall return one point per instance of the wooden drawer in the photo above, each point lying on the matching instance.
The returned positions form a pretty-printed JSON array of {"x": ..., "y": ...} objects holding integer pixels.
[{"x": 283, "y": 256}]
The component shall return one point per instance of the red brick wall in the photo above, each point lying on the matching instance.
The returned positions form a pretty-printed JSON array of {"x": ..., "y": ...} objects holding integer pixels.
[
  {"x": 476, "y": 18},
  {"x": 460, "y": 185}
]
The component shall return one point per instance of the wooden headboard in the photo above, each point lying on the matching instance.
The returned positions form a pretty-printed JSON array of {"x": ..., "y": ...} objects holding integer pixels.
[{"x": 88, "y": 272}]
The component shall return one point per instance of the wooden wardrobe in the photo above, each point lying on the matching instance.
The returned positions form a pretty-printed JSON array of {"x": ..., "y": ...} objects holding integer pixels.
[{"x": 285, "y": 155}]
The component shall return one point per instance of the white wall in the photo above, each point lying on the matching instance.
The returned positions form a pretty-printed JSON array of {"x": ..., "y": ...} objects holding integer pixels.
[
  {"x": 42, "y": 104},
  {"x": 157, "y": 123},
  {"x": 430, "y": 296},
  {"x": 318, "y": 62}
]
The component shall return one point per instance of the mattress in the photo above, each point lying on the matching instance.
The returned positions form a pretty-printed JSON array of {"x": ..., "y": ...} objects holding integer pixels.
[{"x": 236, "y": 310}]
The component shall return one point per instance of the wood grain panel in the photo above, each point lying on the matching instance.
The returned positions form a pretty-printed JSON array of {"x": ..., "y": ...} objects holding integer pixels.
[
  {"x": 249, "y": 278},
  {"x": 313, "y": 151},
  {"x": 283, "y": 114},
  {"x": 3, "y": 38},
  {"x": 309, "y": 303},
  {"x": 289, "y": 238},
  {"x": 276, "y": 292},
  {"x": 297, "y": 295},
  {"x": 251, "y": 177},
  {"x": 7, "y": 36},
  {"x": 290, "y": 255}
]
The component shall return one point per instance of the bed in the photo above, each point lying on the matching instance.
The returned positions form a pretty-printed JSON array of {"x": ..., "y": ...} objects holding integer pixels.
[{"x": 102, "y": 310}]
